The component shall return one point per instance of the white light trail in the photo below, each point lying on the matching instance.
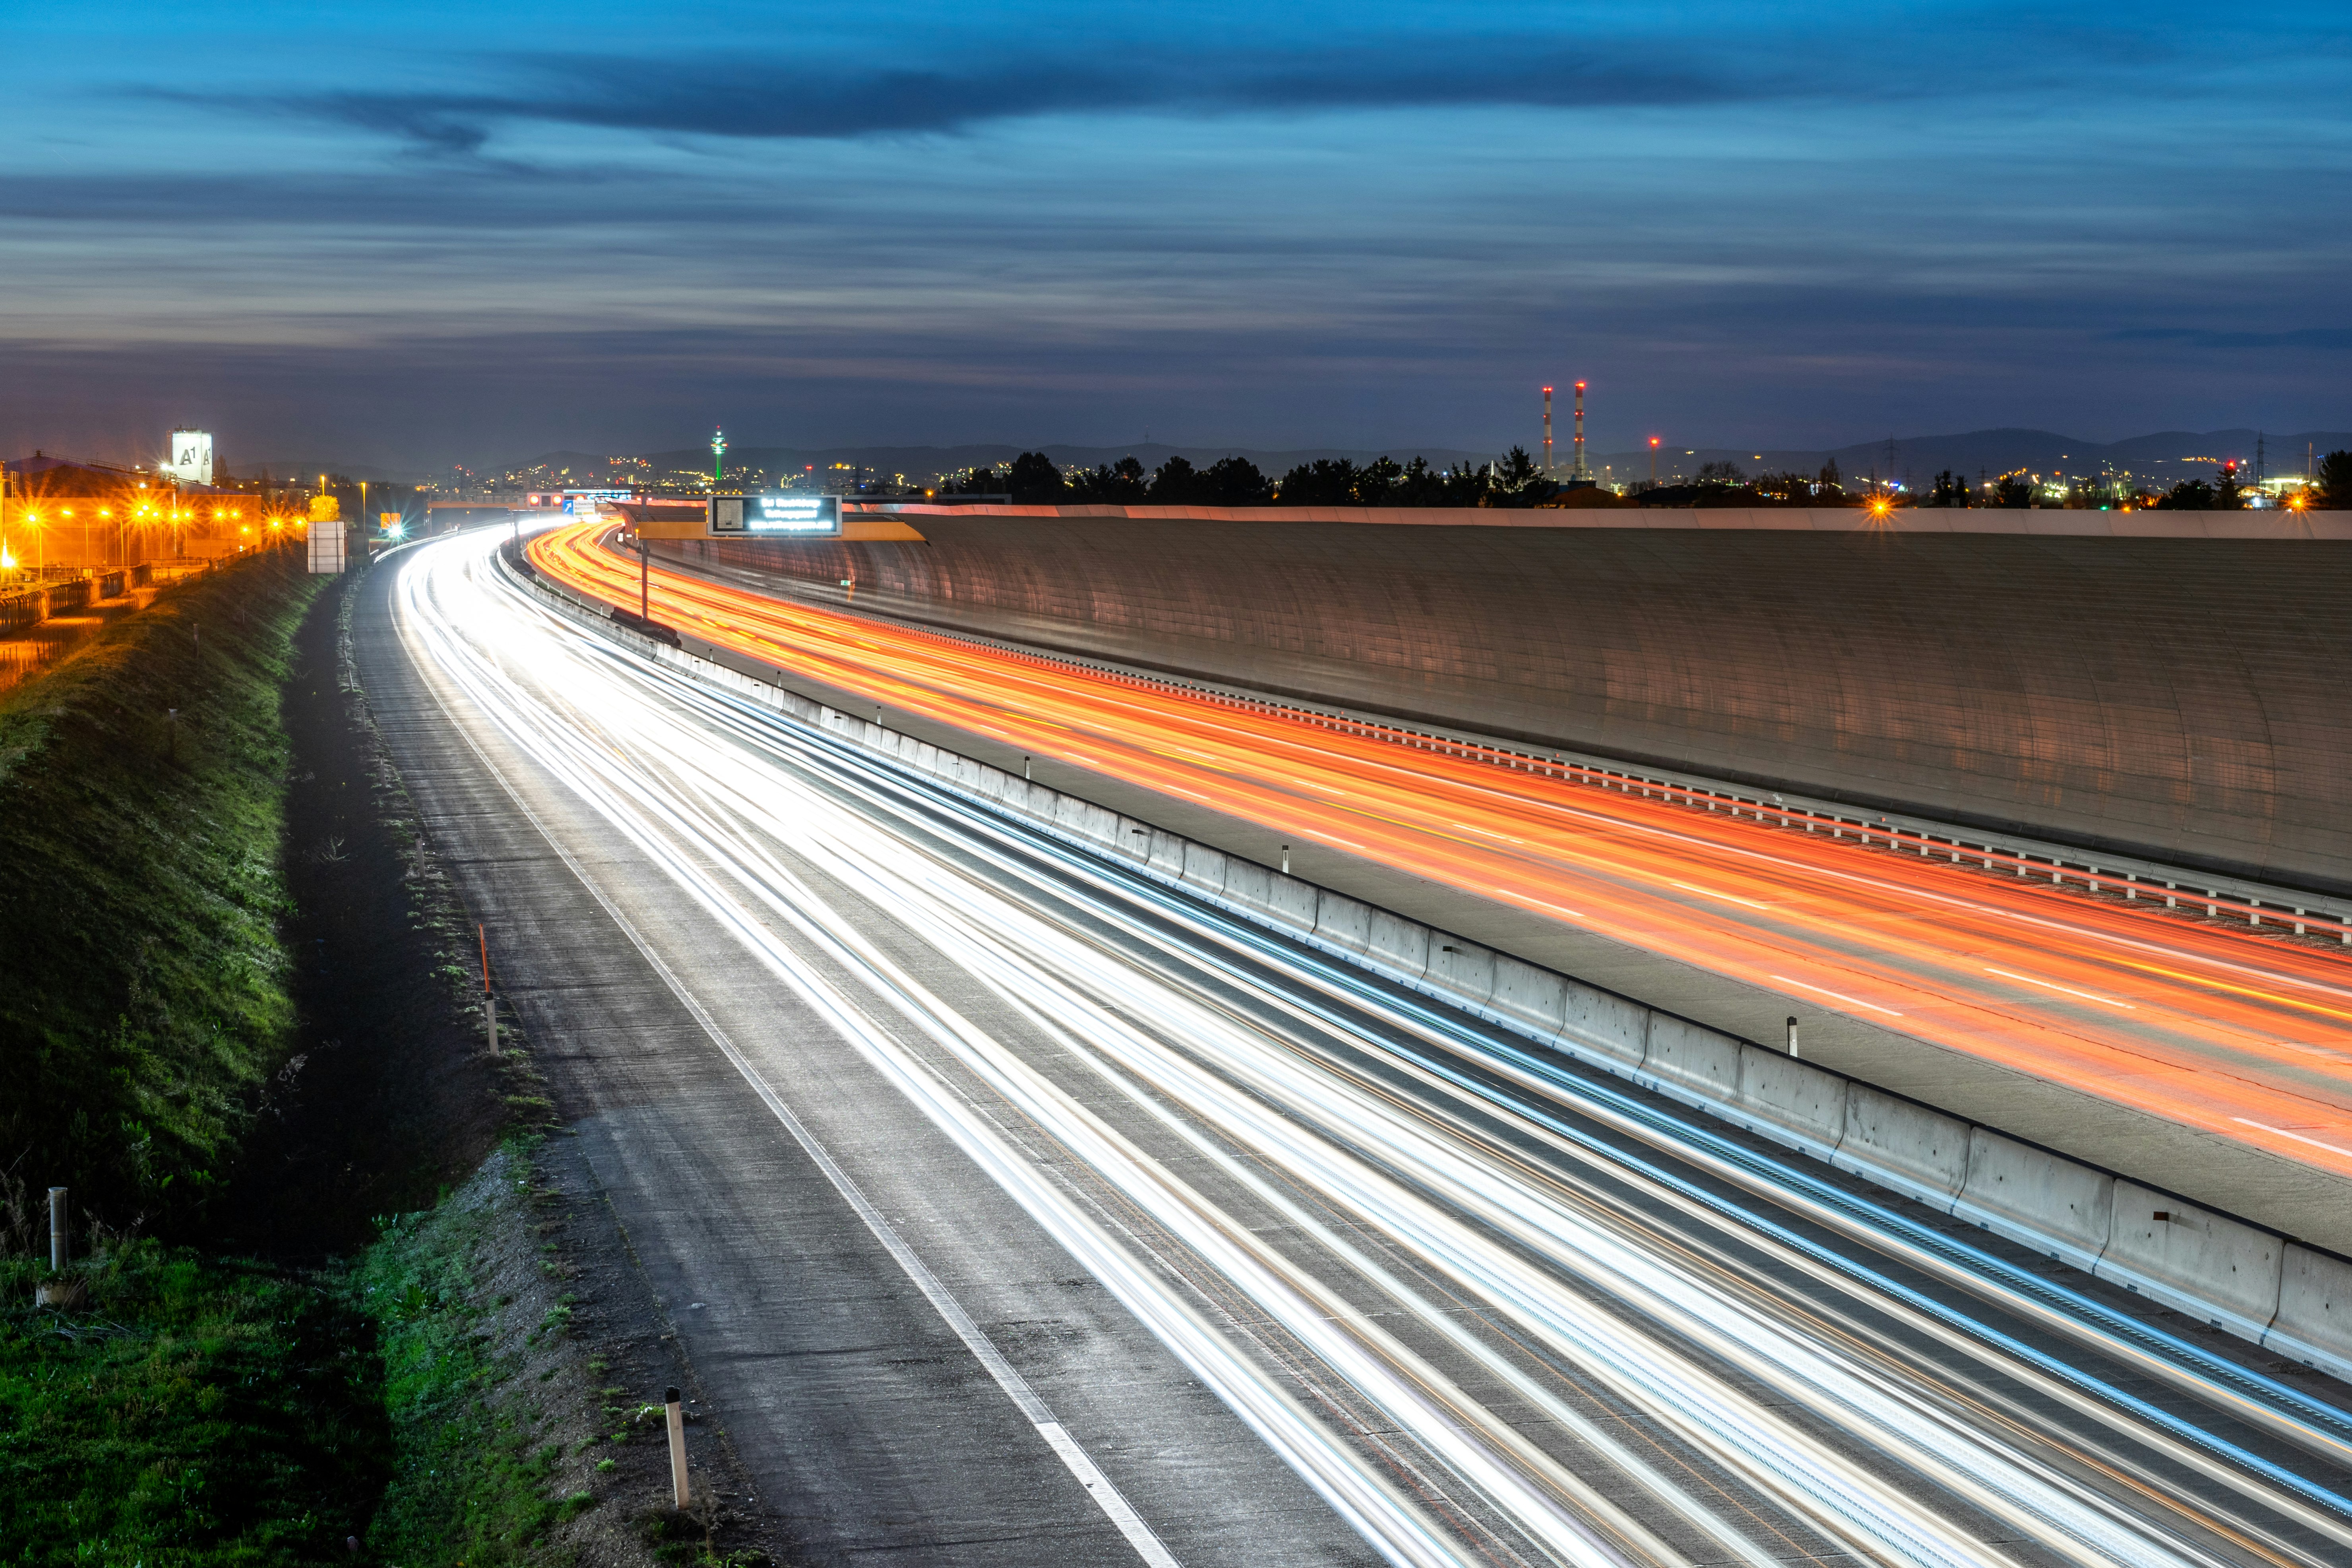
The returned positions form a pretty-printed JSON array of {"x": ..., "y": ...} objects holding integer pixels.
[{"x": 1809, "y": 1430}]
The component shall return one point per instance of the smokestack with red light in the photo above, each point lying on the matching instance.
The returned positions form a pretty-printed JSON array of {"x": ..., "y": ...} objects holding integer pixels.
[
  {"x": 1580, "y": 432},
  {"x": 1547, "y": 430}
]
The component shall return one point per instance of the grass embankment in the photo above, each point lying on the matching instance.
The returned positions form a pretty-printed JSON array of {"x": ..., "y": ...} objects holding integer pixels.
[
  {"x": 428, "y": 1401},
  {"x": 197, "y": 1408},
  {"x": 142, "y": 804}
]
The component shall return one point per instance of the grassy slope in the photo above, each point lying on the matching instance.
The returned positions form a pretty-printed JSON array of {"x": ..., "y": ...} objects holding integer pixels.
[
  {"x": 146, "y": 998},
  {"x": 193, "y": 1412},
  {"x": 200, "y": 1410}
]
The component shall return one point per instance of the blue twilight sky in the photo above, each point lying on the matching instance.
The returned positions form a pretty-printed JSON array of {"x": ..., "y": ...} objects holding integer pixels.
[{"x": 430, "y": 232}]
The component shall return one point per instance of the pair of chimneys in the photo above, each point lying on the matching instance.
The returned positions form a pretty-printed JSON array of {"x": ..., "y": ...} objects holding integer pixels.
[{"x": 1579, "y": 471}]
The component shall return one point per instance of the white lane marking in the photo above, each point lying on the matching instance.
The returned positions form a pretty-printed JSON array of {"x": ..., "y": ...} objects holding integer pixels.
[
  {"x": 1327, "y": 789},
  {"x": 1518, "y": 897},
  {"x": 2266, "y": 1126},
  {"x": 1840, "y": 995},
  {"x": 1489, "y": 833},
  {"x": 1107, "y": 1496},
  {"x": 1728, "y": 897},
  {"x": 2053, "y": 985}
]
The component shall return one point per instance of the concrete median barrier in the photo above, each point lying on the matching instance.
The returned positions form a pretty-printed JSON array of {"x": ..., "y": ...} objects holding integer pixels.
[
  {"x": 1343, "y": 922},
  {"x": 1204, "y": 869},
  {"x": 1397, "y": 945},
  {"x": 1792, "y": 1103},
  {"x": 2313, "y": 1324},
  {"x": 1899, "y": 1144},
  {"x": 1692, "y": 1061},
  {"x": 2043, "y": 1200},
  {"x": 1249, "y": 888},
  {"x": 1166, "y": 854},
  {"x": 1527, "y": 998},
  {"x": 1462, "y": 970},
  {"x": 2193, "y": 1260},
  {"x": 1601, "y": 1024},
  {"x": 1295, "y": 902}
]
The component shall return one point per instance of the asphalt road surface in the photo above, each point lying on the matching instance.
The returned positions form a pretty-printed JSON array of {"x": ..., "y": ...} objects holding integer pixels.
[{"x": 1014, "y": 1209}]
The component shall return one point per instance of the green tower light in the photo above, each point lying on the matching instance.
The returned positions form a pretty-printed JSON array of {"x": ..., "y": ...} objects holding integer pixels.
[{"x": 718, "y": 456}]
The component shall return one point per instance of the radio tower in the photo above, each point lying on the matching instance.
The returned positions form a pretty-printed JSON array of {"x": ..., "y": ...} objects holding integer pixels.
[
  {"x": 1547, "y": 430},
  {"x": 1579, "y": 433},
  {"x": 718, "y": 456}
]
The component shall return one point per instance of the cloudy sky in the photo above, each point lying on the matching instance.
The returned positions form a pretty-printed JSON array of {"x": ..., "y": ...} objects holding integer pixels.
[{"x": 430, "y": 232}]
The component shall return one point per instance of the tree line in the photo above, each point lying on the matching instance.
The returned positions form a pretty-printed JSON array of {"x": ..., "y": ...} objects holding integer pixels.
[{"x": 1033, "y": 480}]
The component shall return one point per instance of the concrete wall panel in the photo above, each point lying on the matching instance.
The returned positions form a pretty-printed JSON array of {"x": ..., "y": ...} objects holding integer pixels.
[
  {"x": 1611, "y": 1026},
  {"x": 1793, "y": 1102},
  {"x": 1693, "y": 1058},
  {"x": 2044, "y": 1200},
  {"x": 1343, "y": 922},
  {"x": 1102, "y": 824},
  {"x": 1295, "y": 903},
  {"x": 1204, "y": 869},
  {"x": 2211, "y": 1265},
  {"x": 1525, "y": 995},
  {"x": 1166, "y": 856},
  {"x": 1397, "y": 945},
  {"x": 1923, "y": 1147},
  {"x": 1465, "y": 968},
  {"x": 1250, "y": 885},
  {"x": 2315, "y": 1312}
]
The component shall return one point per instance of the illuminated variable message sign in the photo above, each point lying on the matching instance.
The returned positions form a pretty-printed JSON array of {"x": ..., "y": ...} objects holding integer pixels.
[{"x": 782, "y": 516}]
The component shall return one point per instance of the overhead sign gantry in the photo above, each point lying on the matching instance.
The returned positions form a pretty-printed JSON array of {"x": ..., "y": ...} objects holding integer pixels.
[{"x": 779, "y": 515}]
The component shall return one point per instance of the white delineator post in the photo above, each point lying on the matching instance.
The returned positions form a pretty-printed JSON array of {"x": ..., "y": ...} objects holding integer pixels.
[
  {"x": 60, "y": 1241},
  {"x": 1792, "y": 1037},
  {"x": 677, "y": 1445}
]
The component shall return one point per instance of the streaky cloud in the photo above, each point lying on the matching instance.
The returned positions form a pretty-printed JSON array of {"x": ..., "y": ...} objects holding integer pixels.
[{"x": 774, "y": 100}]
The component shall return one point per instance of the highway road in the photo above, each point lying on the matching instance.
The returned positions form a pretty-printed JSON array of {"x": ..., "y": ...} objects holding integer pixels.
[
  {"x": 2207, "y": 1025},
  {"x": 1015, "y": 1209}
]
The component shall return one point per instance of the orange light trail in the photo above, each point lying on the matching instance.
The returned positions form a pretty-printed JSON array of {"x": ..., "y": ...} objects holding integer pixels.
[{"x": 2242, "y": 1035}]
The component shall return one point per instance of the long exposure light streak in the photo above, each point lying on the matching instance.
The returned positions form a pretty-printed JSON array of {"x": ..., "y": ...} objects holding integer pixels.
[
  {"x": 2208, "y": 1026},
  {"x": 1411, "y": 1255}
]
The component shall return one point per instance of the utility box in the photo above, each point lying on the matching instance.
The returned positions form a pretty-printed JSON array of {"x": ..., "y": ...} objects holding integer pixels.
[{"x": 326, "y": 547}]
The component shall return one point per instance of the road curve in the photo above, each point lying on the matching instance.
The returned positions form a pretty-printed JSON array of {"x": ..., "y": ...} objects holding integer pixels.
[
  {"x": 1229, "y": 1253},
  {"x": 2242, "y": 1036}
]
